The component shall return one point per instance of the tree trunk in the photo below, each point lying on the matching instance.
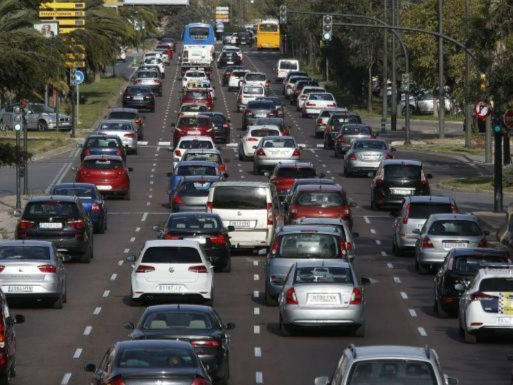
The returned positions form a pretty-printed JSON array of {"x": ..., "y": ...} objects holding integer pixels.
[{"x": 369, "y": 90}]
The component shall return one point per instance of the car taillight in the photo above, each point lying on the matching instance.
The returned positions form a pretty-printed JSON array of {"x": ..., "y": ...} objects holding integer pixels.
[
  {"x": 210, "y": 206},
  {"x": 178, "y": 153},
  {"x": 206, "y": 343},
  {"x": 222, "y": 167},
  {"x": 352, "y": 157},
  {"x": 260, "y": 152},
  {"x": 483, "y": 243},
  {"x": 349, "y": 245},
  {"x": 119, "y": 152},
  {"x": 2, "y": 267},
  {"x": 129, "y": 135},
  {"x": 293, "y": 209},
  {"x": 116, "y": 381},
  {"x": 200, "y": 381},
  {"x": 274, "y": 247},
  {"x": 2, "y": 341},
  {"x": 226, "y": 125},
  {"x": 356, "y": 297},
  {"x": 319, "y": 121},
  {"x": 138, "y": 121},
  {"x": 343, "y": 248},
  {"x": 296, "y": 152},
  {"x": 95, "y": 207},
  {"x": 332, "y": 105},
  {"x": 454, "y": 209},
  {"x": 77, "y": 224},
  {"x": 270, "y": 217},
  {"x": 389, "y": 156},
  {"x": 406, "y": 214},
  {"x": 217, "y": 239},
  {"x": 177, "y": 200},
  {"x": 309, "y": 104},
  {"x": 290, "y": 297},
  {"x": 426, "y": 243},
  {"x": 480, "y": 296},
  {"x": 86, "y": 152},
  {"x": 198, "y": 269},
  {"x": 373, "y": 136},
  {"x": 251, "y": 140},
  {"x": 380, "y": 181},
  {"x": 340, "y": 139},
  {"x": 169, "y": 236},
  {"x": 271, "y": 114},
  {"x": 247, "y": 113},
  {"x": 144, "y": 269},
  {"x": 23, "y": 224},
  {"x": 47, "y": 268},
  {"x": 267, "y": 84},
  {"x": 148, "y": 96},
  {"x": 138, "y": 81}
]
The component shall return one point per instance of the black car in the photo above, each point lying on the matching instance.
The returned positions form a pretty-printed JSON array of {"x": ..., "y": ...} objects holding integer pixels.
[
  {"x": 8, "y": 338},
  {"x": 460, "y": 265},
  {"x": 129, "y": 114},
  {"x": 98, "y": 144},
  {"x": 228, "y": 58},
  {"x": 258, "y": 109},
  {"x": 149, "y": 362},
  {"x": 227, "y": 72},
  {"x": 60, "y": 219},
  {"x": 222, "y": 126},
  {"x": 208, "y": 229},
  {"x": 140, "y": 97},
  {"x": 199, "y": 325},
  {"x": 278, "y": 104},
  {"x": 244, "y": 38},
  {"x": 395, "y": 179},
  {"x": 335, "y": 123}
]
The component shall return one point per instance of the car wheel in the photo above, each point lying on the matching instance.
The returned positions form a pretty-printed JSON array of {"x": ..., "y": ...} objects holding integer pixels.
[
  {"x": 373, "y": 204},
  {"x": 420, "y": 267},
  {"x": 360, "y": 331},
  {"x": 59, "y": 302},
  {"x": 256, "y": 170},
  {"x": 470, "y": 338},
  {"x": 5, "y": 379},
  {"x": 396, "y": 249},
  {"x": 347, "y": 174},
  {"x": 42, "y": 125},
  {"x": 285, "y": 329},
  {"x": 326, "y": 147},
  {"x": 269, "y": 301},
  {"x": 228, "y": 267}
]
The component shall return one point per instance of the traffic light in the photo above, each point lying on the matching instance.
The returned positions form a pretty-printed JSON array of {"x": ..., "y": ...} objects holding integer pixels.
[
  {"x": 18, "y": 118},
  {"x": 327, "y": 27},
  {"x": 497, "y": 123},
  {"x": 283, "y": 14},
  {"x": 482, "y": 83}
]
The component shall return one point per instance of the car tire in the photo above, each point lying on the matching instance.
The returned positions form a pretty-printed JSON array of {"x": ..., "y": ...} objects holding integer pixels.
[
  {"x": 285, "y": 329},
  {"x": 256, "y": 170},
  {"x": 359, "y": 331},
  {"x": 347, "y": 174},
  {"x": 269, "y": 301},
  {"x": 373, "y": 205},
  {"x": 420, "y": 267},
  {"x": 5, "y": 378},
  {"x": 42, "y": 125},
  {"x": 127, "y": 196},
  {"x": 228, "y": 267},
  {"x": 396, "y": 249},
  {"x": 59, "y": 302},
  {"x": 470, "y": 338}
]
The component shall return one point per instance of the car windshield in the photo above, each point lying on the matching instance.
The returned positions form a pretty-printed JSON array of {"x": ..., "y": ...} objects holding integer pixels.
[
  {"x": 81, "y": 192},
  {"x": 103, "y": 164},
  {"x": 204, "y": 157},
  {"x": 116, "y": 126},
  {"x": 496, "y": 284},
  {"x": 39, "y": 253},
  {"x": 193, "y": 223},
  {"x": 268, "y": 27},
  {"x": 470, "y": 264},
  {"x": 402, "y": 171},
  {"x": 422, "y": 210},
  {"x": 193, "y": 121},
  {"x": 318, "y": 198},
  {"x": 391, "y": 371},
  {"x": 370, "y": 145},
  {"x": 171, "y": 254},
  {"x": 181, "y": 319},
  {"x": 155, "y": 357},
  {"x": 356, "y": 130},
  {"x": 295, "y": 172},
  {"x": 308, "y": 245},
  {"x": 323, "y": 274},
  {"x": 187, "y": 144},
  {"x": 279, "y": 143},
  {"x": 51, "y": 208},
  {"x": 455, "y": 227},
  {"x": 195, "y": 188}
]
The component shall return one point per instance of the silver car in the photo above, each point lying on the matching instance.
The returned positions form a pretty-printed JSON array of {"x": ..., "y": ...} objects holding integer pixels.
[
  {"x": 443, "y": 232},
  {"x": 192, "y": 193},
  {"x": 150, "y": 79},
  {"x": 33, "y": 269},
  {"x": 124, "y": 129},
  {"x": 322, "y": 294},
  {"x": 364, "y": 156},
  {"x": 275, "y": 149}
]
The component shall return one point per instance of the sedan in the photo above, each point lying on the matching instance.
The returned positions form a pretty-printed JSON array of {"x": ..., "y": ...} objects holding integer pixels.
[
  {"x": 148, "y": 362},
  {"x": 227, "y": 71},
  {"x": 192, "y": 125},
  {"x": 335, "y": 123},
  {"x": 228, "y": 58},
  {"x": 322, "y": 294},
  {"x": 278, "y": 104},
  {"x": 275, "y": 149},
  {"x": 124, "y": 129},
  {"x": 174, "y": 270},
  {"x": 258, "y": 109},
  {"x": 222, "y": 125},
  {"x": 249, "y": 142},
  {"x": 150, "y": 79},
  {"x": 98, "y": 144},
  {"x": 191, "y": 167},
  {"x": 207, "y": 155},
  {"x": 347, "y": 134},
  {"x": 236, "y": 77},
  {"x": 198, "y": 95},
  {"x": 192, "y": 109},
  {"x": 199, "y": 325},
  {"x": 131, "y": 114},
  {"x": 192, "y": 193},
  {"x": 108, "y": 173},
  {"x": 91, "y": 199},
  {"x": 140, "y": 97},
  {"x": 33, "y": 269},
  {"x": 193, "y": 76},
  {"x": 364, "y": 156}
]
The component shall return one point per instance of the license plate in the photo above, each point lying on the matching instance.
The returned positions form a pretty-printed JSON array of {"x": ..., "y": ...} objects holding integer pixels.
[
  {"x": 104, "y": 187},
  {"x": 321, "y": 298},
  {"x": 240, "y": 223},
  {"x": 50, "y": 225},
  {"x": 260, "y": 115},
  {"x": 195, "y": 132},
  {"x": 505, "y": 321},
  {"x": 452, "y": 245},
  {"x": 401, "y": 191},
  {"x": 170, "y": 288},
  {"x": 138, "y": 98},
  {"x": 230, "y": 62},
  {"x": 370, "y": 157},
  {"x": 20, "y": 289},
  {"x": 201, "y": 241}
]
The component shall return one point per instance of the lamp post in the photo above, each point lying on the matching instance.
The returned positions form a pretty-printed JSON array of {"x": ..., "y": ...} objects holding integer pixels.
[
  {"x": 393, "y": 115},
  {"x": 384, "y": 83},
  {"x": 441, "y": 82}
]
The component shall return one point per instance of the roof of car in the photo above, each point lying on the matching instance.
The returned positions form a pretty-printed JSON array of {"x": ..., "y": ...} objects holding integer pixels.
[
  {"x": 319, "y": 187},
  {"x": 196, "y": 137},
  {"x": 103, "y": 121},
  {"x": 171, "y": 243},
  {"x": 193, "y": 214},
  {"x": 390, "y": 351},
  {"x": 122, "y": 109},
  {"x": 202, "y": 151},
  {"x": 494, "y": 272},
  {"x": 453, "y": 216},
  {"x": 479, "y": 252},
  {"x": 205, "y": 178},
  {"x": 326, "y": 263},
  {"x": 74, "y": 184},
  {"x": 428, "y": 198},
  {"x": 196, "y": 163},
  {"x": 407, "y": 162},
  {"x": 305, "y": 181},
  {"x": 26, "y": 242},
  {"x": 42, "y": 198},
  {"x": 321, "y": 221},
  {"x": 101, "y": 136},
  {"x": 308, "y": 228},
  {"x": 241, "y": 184}
]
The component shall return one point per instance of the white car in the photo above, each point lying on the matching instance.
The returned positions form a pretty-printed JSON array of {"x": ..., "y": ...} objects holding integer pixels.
[
  {"x": 255, "y": 78},
  {"x": 273, "y": 150},
  {"x": 189, "y": 142},
  {"x": 288, "y": 84},
  {"x": 248, "y": 93},
  {"x": 175, "y": 269},
  {"x": 235, "y": 79},
  {"x": 487, "y": 303},
  {"x": 155, "y": 61},
  {"x": 304, "y": 94},
  {"x": 315, "y": 102},
  {"x": 233, "y": 48},
  {"x": 193, "y": 76},
  {"x": 252, "y": 138}
]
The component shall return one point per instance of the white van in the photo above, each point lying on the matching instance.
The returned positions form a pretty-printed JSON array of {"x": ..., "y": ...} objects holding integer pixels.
[
  {"x": 248, "y": 93},
  {"x": 284, "y": 67},
  {"x": 252, "y": 208}
]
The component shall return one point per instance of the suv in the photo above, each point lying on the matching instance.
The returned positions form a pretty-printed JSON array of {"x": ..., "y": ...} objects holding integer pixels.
[
  {"x": 388, "y": 364},
  {"x": 413, "y": 214},
  {"x": 60, "y": 219},
  {"x": 395, "y": 180},
  {"x": 8, "y": 338}
]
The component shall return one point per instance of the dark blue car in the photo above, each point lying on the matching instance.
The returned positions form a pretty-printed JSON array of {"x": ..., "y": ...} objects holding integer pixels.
[{"x": 91, "y": 199}]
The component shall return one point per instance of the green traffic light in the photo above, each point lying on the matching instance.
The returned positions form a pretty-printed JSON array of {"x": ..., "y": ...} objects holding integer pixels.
[{"x": 497, "y": 129}]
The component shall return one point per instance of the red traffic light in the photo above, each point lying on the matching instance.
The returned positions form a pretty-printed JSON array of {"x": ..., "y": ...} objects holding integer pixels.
[{"x": 23, "y": 103}]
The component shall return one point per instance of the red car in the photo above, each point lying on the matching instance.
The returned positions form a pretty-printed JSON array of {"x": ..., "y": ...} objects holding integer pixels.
[
  {"x": 108, "y": 172},
  {"x": 285, "y": 173},
  {"x": 198, "y": 95},
  {"x": 200, "y": 125},
  {"x": 319, "y": 201}
]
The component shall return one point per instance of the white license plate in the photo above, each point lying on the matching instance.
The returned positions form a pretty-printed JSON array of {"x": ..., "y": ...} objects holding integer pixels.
[
  {"x": 240, "y": 223},
  {"x": 505, "y": 321},
  {"x": 260, "y": 115},
  {"x": 401, "y": 191},
  {"x": 20, "y": 289},
  {"x": 138, "y": 98},
  {"x": 370, "y": 157},
  {"x": 321, "y": 298},
  {"x": 201, "y": 241},
  {"x": 104, "y": 187},
  {"x": 50, "y": 225},
  {"x": 195, "y": 132},
  {"x": 452, "y": 245},
  {"x": 170, "y": 288},
  {"x": 229, "y": 62}
]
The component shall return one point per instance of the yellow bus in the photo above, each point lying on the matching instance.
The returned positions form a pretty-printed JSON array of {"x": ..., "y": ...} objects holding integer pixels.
[{"x": 268, "y": 34}]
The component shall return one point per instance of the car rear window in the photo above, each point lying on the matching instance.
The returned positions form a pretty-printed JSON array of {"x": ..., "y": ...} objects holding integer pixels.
[
  {"x": 402, "y": 171},
  {"x": 51, "y": 208},
  {"x": 355, "y": 130},
  {"x": 370, "y": 145},
  {"x": 178, "y": 319},
  {"x": 288, "y": 65},
  {"x": 239, "y": 73},
  {"x": 196, "y": 94},
  {"x": 259, "y": 105},
  {"x": 280, "y": 142},
  {"x": 396, "y": 371},
  {"x": 146, "y": 75},
  {"x": 324, "y": 199},
  {"x": 308, "y": 245},
  {"x": 193, "y": 121},
  {"x": 138, "y": 90},
  {"x": 294, "y": 172},
  {"x": 422, "y": 210},
  {"x": 323, "y": 274},
  {"x": 196, "y": 170},
  {"x": 195, "y": 188},
  {"x": 122, "y": 115},
  {"x": 171, "y": 254},
  {"x": 194, "y": 107},
  {"x": 81, "y": 192},
  {"x": 155, "y": 357},
  {"x": 260, "y": 133},
  {"x": 240, "y": 198},
  {"x": 338, "y": 120},
  {"x": 203, "y": 157},
  {"x": 95, "y": 143},
  {"x": 188, "y": 144},
  {"x": 116, "y": 126},
  {"x": 470, "y": 264},
  {"x": 24, "y": 252},
  {"x": 103, "y": 164},
  {"x": 193, "y": 222},
  {"x": 496, "y": 284},
  {"x": 455, "y": 227}
]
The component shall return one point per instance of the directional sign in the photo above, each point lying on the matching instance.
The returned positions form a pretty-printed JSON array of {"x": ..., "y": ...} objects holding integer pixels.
[
  {"x": 63, "y": 30},
  {"x": 76, "y": 56},
  {"x": 508, "y": 119},
  {"x": 482, "y": 109},
  {"x": 62, "y": 6},
  {"x": 75, "y": 22},
  {"x": 61, "y": 13},
  {"x": 79, "y": 77}
]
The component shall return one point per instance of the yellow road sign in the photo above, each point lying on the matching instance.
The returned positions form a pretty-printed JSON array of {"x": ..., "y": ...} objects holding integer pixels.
[
  {"x": 75, "y": 22},
  {"x": 62, "y": 5},
  {"x": 75, "y": 64},
  {"x": 63, "y": 30},
  {"x": 76, "y": 56},
  {"x": 61, "y": 13}
]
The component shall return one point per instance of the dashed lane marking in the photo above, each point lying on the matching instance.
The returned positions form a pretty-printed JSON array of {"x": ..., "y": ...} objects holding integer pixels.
[
  {"x": 78, "y": 353},
  {"x": 126, "y": 251},
  {"x": 258, "y": 352},
  {"x": 412, "y": 312},
  {"x": 97, "y": 310},
  {"x": 259, "y": 377},
  {"x": 378, "y": 242},
  {"x": 256, "y": 294},
  {"x": 113, "y": 277},
  {"x": 106, "y": 293},
  {"x": 256, "y": 277},
  {"x": 384, "y": 254},
  {"x": 373, "y": 231},
  {"x": 397, "y": 280},
  {"x": 256, "y": 329},
  {"x": 404, "y": 295},
  {"x": 390, "y": 265},
  {"x": 88, "y": 330},
  {"x": 366, "y": 219},
  {"x": 256, "y": 311},
  {"x": 66, "y": 378},
  {"x": 422, "y": 332}
]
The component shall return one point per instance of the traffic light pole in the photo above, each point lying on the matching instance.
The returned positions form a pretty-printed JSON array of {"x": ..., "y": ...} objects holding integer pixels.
[
  {"x": 497, "y": 174},
  {"x": 24, "y": 159}
]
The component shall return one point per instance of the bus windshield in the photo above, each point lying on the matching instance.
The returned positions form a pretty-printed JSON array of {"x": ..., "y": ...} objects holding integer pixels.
[{"x": 269, "y": 27}]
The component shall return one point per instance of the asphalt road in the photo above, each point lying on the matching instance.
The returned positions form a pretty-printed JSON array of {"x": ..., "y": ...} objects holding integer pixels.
[{"x": 54, "y": 345}]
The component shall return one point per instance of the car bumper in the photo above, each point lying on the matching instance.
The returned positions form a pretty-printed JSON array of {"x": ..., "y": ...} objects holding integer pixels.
[
  {"x": 62, "y": 125},
  {"x": 311, "y": 111},
  {"x": 218, "y": 256},
  {"x": 140, "y": 105},
  {"x": 250, "y": 238},
  {"x": 71, "y": 245},
  {"x": 186, "y": 208},
  {"x": 109, "y": 188},
  {"x": 477, "y": 319},
  {"x": 266, "y": 162},
  {"x": 406, "y": 240},
  {"x": 431, "y": 257},
  {"x": 298, "y": 316},
  {"x": 362, "y": 166},
  {"x": 142, "y": 289}
]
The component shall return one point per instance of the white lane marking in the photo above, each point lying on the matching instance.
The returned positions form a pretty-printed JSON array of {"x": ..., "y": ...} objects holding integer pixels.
[
  {"x": 113, "y": 277},
  {"x": 412, "y": 312},
  {"x": 404, "y": 295},
  {"x": 373, "y": 231},
  {"x": 154, "y": 164},
  {"x": 256, "y": 311},
  {"x": 126, "y": 251},
  {"x": 258, "y": 352},
  {"x": 390, "y": 266},
  {"x": 259, "y": 377},
  {"x": 255, "y": 263},
  {"x": 378, "y": 242},
  {"x": 397, "y": 280},
  {"x": 132, "y": 239},
  {"x": 120, "y": 262},
  {"x": 152, "y": 170},
  {"x": 256, "y": 294},
  {"x": 88, "y": 330},
  {"x": 78, "y": 353},
  {"x": 256, "y": 329},
  {"x": 144, "y": 216},
  {"x": 150, "y": 196},
  {"x": 384, "y": 254},
  {"x": 106, "y": 293},
  {"x": 422, "y": 332},
  {"x": 148, "y": 203},
  {"x": 151, "y": 189},
  {"x": 66, "y": 378},
  {"x": 137, "y": 229},
  {"x": 256, "y": 277},
  {"x": 97, "y": 310},
  {"x": 151, "y": 182},
  {"x": 366, "y": 219}
]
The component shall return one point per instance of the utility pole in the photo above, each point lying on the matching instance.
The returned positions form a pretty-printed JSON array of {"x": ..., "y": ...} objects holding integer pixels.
[
  {"x": 441, "y": 82},
  {"x": 24, "y": 169},
  {"x": 384, "y": 83},
  {"x": 393, "y": 115},
  {"x": 18, "y": 126},
  {"x": 468, "y": 106},
  {"x": 497, "y": 164}
]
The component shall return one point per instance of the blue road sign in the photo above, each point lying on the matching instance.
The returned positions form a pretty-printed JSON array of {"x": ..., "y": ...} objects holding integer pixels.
[{"x": 79, "y": 77}]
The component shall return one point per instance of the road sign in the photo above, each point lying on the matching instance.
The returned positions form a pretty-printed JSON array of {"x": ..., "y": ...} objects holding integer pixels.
[
  {"x": 61, "y": 13},
  {"x": 482, "y": 109},
  {"x": 64, "y": 30},
  {"x": 79, "y": 77},
  {"x": 75, "y": 22},
  {"x": 508, "y": 119},
  {"x": 75, "y": 64},
  {"x": 76, "y": 56},
  {"x": 62, "y": 6}
]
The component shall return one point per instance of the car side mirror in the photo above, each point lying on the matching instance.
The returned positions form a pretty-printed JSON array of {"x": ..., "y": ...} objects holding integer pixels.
[
  {"x": 156, "y": 228},
  {"x": 324, "y": 380},
  {"x": 459, "y": 287},
  {"x": 370, "y": 174},
  {"x": 80, "y": 145},
  {"x": 262, "y": 252},
  {"x": 416, "y": 231},
  {"x": 301, "y": 146},
  {"x": 230, "y": 228},
  {"x": 129, "y": 325},
  {"x": 130, "y": 169},
  {"x": 90, "y": 368},
  {"x": 267, "y": 174},
  {"x": 74, "y": 168},
  {"x": 19, "y": 319},
  {"x": 450, "y": 380},
  {"x": 429, "y": 176},
  {"x": 225, "y": 175},
  {"x": 365, "y": 281},
  {"x": 486, "y": 232},
  {"x": 130, "y": 258},
  {"x": 16, "y": 213},
  {"x": 229, "y": 326}
]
